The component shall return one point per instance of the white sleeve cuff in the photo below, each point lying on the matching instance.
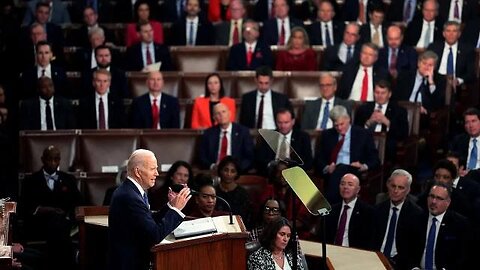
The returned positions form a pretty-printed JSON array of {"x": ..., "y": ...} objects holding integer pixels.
[{"x": 176, "y": 210}]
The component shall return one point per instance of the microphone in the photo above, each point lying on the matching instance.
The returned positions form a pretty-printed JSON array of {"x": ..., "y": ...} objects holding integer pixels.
[{"x": 177, "y": 188}]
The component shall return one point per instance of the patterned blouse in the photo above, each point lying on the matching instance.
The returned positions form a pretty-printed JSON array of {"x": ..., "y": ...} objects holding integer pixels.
[{"x": 262, "y": 260}]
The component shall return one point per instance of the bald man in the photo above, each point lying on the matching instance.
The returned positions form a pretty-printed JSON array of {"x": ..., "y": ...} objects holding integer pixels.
[{"x": 133, "y": 228}]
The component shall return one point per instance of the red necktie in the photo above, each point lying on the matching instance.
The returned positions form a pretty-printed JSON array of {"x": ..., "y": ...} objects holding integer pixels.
[
  {"x": 393, "y": 62},
  {"x": 336, "y": 150},
  {"x": 223, "y": 147},
  {"x": 249, "y": 55},
  {"x": 148, "y": 56},
  {"x": 260, "y": 113},
  {"x": 364, "y": 95},
  {"x": 361, "y": 12},
  {"x": 281, "y": 39},
  {"x": 155, "y": 114},
  {"x": 101, "y": 115},
  {"x": 235, "y": 36},
  {"x": 341, "y": 226}
]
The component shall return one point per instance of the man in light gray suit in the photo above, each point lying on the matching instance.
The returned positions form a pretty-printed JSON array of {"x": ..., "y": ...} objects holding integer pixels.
[
  {"x": 316, "y": 114},
  {"x": 225, "y": 33}
]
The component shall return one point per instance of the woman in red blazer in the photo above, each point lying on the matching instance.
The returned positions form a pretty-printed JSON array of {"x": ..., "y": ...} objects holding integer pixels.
[
  {"x": 202, "y": 117},
  {"x": 298, "y": 56},
  {"x": 142, "y": 13},
  {"x": 219, "y": 10}
]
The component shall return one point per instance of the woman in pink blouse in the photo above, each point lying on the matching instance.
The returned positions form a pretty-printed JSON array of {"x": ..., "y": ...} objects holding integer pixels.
[
  {"x": 298, "y": 56},
  {"x": 142, "y": 13}
]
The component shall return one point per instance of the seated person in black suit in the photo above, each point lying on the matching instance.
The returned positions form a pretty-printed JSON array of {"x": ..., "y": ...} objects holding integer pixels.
[
  {"x": 337, "y": 56},
  {"x": 46, "y": 111},
  {"x": 230, "y": 32},
  {"x": 466, "y": 145},
  {"x": 264, "y": 10},
  {"x": 193, "y": 30},
  {"x": 80, "y": 37},
  {"x": 252, "y": 53},
  {"x": 425, "y": 29},
  {"x": 147, "y": 52},
  {"x": 376, "y": 30},
  {"x": 155, "y": 109},
  {"x": 56, "y": 11},
  {"x": 471, "y": 33},
  {"x": 344, "y": 149},
  {"x": 86, "y": 55},
  {"x": 325, "y": 30},
  {"x": 276, "y": 31},
  {"x": 47, "y": 205},
  {"x": 384, "y": 115},
  {"x": 355, "y": 10},
  {"x": 461, "y": 11},
  {"x": 101, "y": 110}
]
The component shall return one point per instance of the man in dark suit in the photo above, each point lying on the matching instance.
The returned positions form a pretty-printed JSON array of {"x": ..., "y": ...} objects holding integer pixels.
[
  {"x": 264, "y": 10},
  {"x": 155, "y": 109},
  {"x": 337, "y": 56},
  {"x": 466, "y": 145},
  {"x": 359, "y": 77},
  {"x": 276, "y": 31},
  {"x": 426, "y": 28},
  {"x": 384, "y": 115},
  {"x": 147, "y": 52},
  {"x": 326, "y": 31},
  {"x": 404, "y": 10},
  {"x": 174, "y": 10},
  {"x": 132, "y": 228},
  {"x": 395, "y": 218},
  {"x": 316, "y": 113},
  {"x": 199, "y": 30},
  {"x": 85, "y": 56},
  {"x": 230, "y": 32},
  {"x": 352, "y": 9},
  {"x": 376, "y": 30},
  {"x": 396, "y": 56},
  {"x": 47, "y": 204},
  {"x": 462, "y": 11},
  {"x": 102, "y": 110},
  {"x": 471, "y": 33},
  {"x": 38, "y": 113},
  {"x": 225, "y": 139},
  {"x": 43, "y": 16},
  {"x": 297, "y": 139},
  {"x": 260, "y": 106},
  {"x": 81, "y": 37},
  {"x": 57, "y": 15},
  {"x": 252, "y": 53},
  {"x": 344, "y": 149}
]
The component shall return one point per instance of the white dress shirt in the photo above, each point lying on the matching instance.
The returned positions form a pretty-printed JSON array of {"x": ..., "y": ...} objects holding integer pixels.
[
  {"x": 232, "y": 27},
  {"x": 351, "y": 205},
  {"x": 343, "y": 50},
  {"x": 438, "y": 225},
  {"x": 378, "y": 127},
  {"x": 151, "y": 48},
  {"x": 420, "y": 42},
  {"x": 357, "y": 84},
  {"x": 418, "y": 82},
  {"x": 451, "y": 12},
  {"x": 330, "y": 31},
  {"x": 105, "y": 107},
  {"x": 442, "y": 69},
  {"x": 159, "y": 98},
  {"x": 43, "y": 115},
  {"x": 322, "y": 109},
  {"x": 470, "y": 146},
  {"x": 286, "y": 26},
  {"x": 393, "y": 252},
  {"x": 195, "y": 29},
  {"x": 48, "y": 71},
  {"x": 229, "y": 140},
  {"x": 268, "y": 120}
]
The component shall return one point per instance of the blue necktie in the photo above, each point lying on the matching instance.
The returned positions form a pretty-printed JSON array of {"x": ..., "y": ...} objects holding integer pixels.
[
  {"x": 190, "y": 38},
  {"x": 145, "y": 199},
  {"x": 391, "y": 233},
  {"x": 349, "y": 53},
  {"x": 327, "y": 36},
  {"x": 430, "y": 245},
  {"x": 326, "y": 115},
  {"x": 450, "y": 69},
  {"x": 472, "y": 162}
]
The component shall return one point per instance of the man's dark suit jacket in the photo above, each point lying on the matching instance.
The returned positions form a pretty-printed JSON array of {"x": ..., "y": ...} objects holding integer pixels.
[
  {"x": 135, "y": 60},
  {"x": 366, "y": 33},
  {"x": 222, "y": 33},
  {"x": 406, "y": 58},
  {"x": 133, "y": 229},
  {"x": 471, "y": 32},
  {"x": 300, "y": 142},
  {"x": 406, "y": 221},
  {"x": 30, "y": 114},
  {"x": 315, "y": 33},
  {"x": 311, "y": 111},
  {"x": 469, "y": 10},
  {"x": 169, "y": 13},
  {"x": 237, "y": 57},
  {"x": 205, "y": 33},
  {"x": 395, "y": 10},
  {"x": 261, "y": 10},
  {"x": 88, "y": 115},
  {"x": 80, "y": 36},
  {"x": 142, "y": 112},
  {"x": 331, "y": 62},
  {"x": 241, "y": 144},
  {"x": 118, "y": 85},
  {"x": 414, "y": 31},
  {"x": 270, "y": 30},
  {"x": 464, "y": 66},
  {"x": 30, "y": 77},
  {"x": 349, "y": 73},
  {"x": 26, "y": 55},
  {"x": 360, "y": 228},
  {"x": 460, "y": 146},
  {"x": 350, "y": 9},
  {"x": 249, "y": 105}
]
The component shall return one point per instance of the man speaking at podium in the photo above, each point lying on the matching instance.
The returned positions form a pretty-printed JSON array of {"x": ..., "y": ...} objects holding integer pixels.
[{"x": 133, "y": 228}]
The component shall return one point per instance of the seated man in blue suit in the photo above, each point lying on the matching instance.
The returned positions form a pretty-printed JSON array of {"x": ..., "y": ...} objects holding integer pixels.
[{"x": 133, "y": 229}]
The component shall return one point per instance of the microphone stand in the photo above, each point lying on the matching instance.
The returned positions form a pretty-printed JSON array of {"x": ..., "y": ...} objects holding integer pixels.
[{"x": 229, "y": 208}]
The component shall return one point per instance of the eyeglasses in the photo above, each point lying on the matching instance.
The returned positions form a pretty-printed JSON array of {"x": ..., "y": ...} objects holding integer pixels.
[
  {"x": 273, "y": 210},
  {"x": 438, "y": 198}
]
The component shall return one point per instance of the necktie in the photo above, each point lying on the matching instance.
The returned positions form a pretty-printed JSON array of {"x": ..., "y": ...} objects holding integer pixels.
[
  {"x": 281, "y": 39},
  {"x": 326, "y": 115},
  {"x": 336, "y": 149},
  {"x": 328, "y": 40},
  {"x": 456, "y": 11},
  {"x": 148, "y": 55},
  {"x": 341, "y": 226},
  {"x": 155, "y": 114},
  {"x": 283, "y": 153},
  {"x": 472, "y": 162},
  {"x": 235, "y": 35},
  {"x": 48, "y": 115},
  {"x": 407, "y": 11},
  {"x": 190, "y": 38},
  {"x": 349, "y": 53},
  {"x": 101, "y": 115},
  {"x": 430, "y": 245},
  {"x": 51, "y": 180},
  {"x": 43, "y": 72},
  {"x": 260, "y": 112},
  {"x": 393, "y": 62},
  {"x": 223, "y": 147},
  {"x": 391, "y": 233},
  {"x": 378, "y": 127},
  {"x": 376, "y": 36},
  {"x": 179, "y": 8},
  {"x": 249, "y": 55},
  {"x": 361, "y": 12},
  {"x": 450, "y": 69},
  {"x": 420, "y": 89},
  {"x": 428, "y": 33},
  {"x": 364, "y": 94},
  {"x": 145, "y": 199}
]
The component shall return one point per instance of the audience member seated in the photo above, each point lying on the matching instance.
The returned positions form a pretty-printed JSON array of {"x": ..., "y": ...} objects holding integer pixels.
[
  {"x": 344, "y": 149},
  {"x": 260, "y": 106},
  {"x": 338, "y": 55},
  {"x": 173, "y": 10},
  {"x": 192, "y": 30},
  {"x": 43, "y": 68},
  {"x": 229, "y": 170},
  {"x": 81, "y": 37},
  {"x": 202, "y": 114},
  {"x": 225, "y": 138},
  {"x": 155, "y": 109},
  {"x": 44, "y": 16},
  {"x": 325, "y": 30},
  {"x": 205, "y": 202},
  {"x": 252, "y": 53},
  {"x": 404, "y": 10},
  {"x": 289, "y": 138},
  {"x": 466, "y": 145},
  {"x": 316, "y": 113},
  {"x": 219, "y": 10},
  {"x": 426, "y": 28},
  {"x": 147, "y": 51},
  {"x": 102, "y": 109},
  {"x": 265, "y": 10},
  {"x": 276, "y": 31},
  {"x": 86, "y": 55},
  {"x": 57, "y": 11},
  {"x": 277, "y": 248},
  {"x": 359, "y": 77},
  {"x": 384, "y": 115},
  {"x": 229, "y": 32},
  {"x": 298, "y": 56},
  {"x": 48, "y": 202},
  {"x": 354, "y": 10},
  {"x": 471, "y": 33},
  {"x": 47, "y": 111},
  {"x": 461, "y": 11},
  {"x": 309, "y": 9},
  {"x": 396, "y": 56},
  {"x": 269, "y": 211},
  {"x": 376, "y": 30},
  {"x": 142, "y": 14}
]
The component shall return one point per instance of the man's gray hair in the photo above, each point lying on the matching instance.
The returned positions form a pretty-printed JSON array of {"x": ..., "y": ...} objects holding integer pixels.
[
  {"x": 338, "y": 112},
  {"x": 401, "y": 172},
  {"x": 137, "y": 158}
]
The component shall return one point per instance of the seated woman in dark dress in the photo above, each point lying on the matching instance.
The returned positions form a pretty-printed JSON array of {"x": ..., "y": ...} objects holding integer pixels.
[{"x": 298, "y": 56}]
